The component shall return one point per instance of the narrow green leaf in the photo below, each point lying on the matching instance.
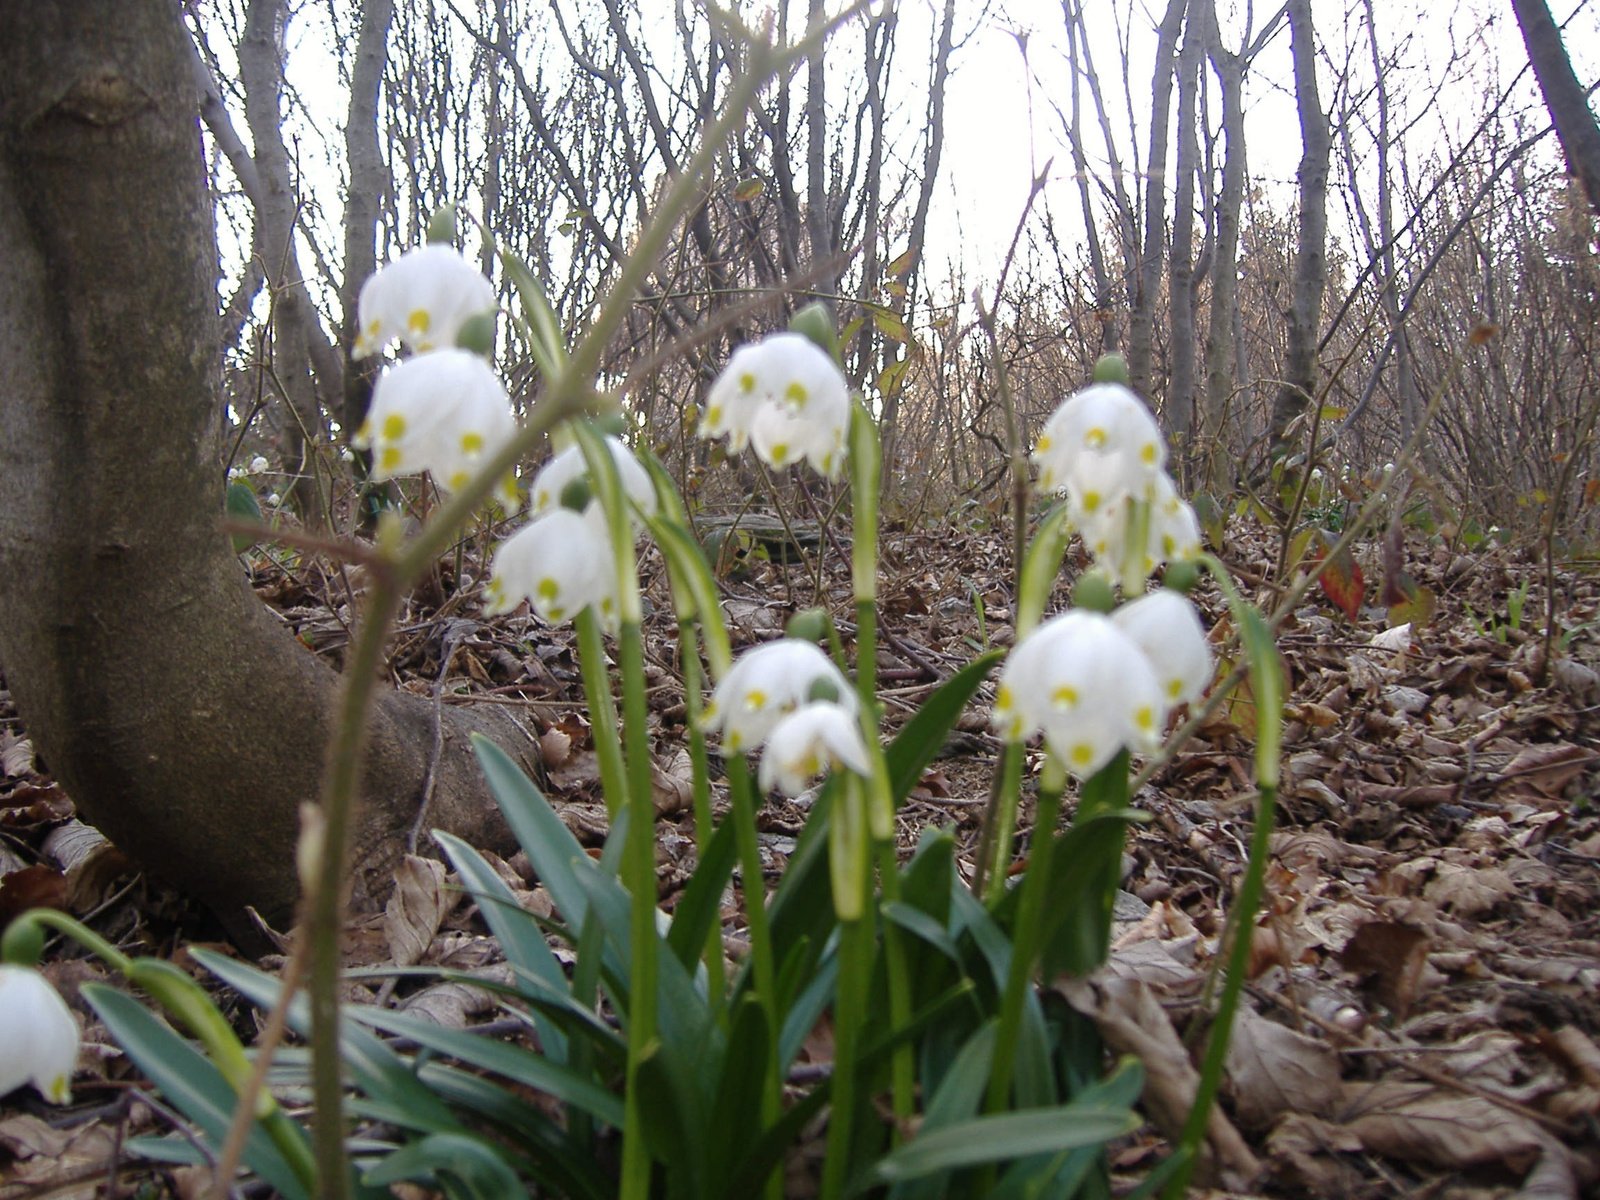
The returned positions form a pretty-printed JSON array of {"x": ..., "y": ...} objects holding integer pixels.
[
  {"x": 548, "y": 843},
  {"x": 189, "y": 1082},
  {"x": 920, "y": 925},
  {"x": 995, "y": 1139},
  {"x": 923, "y": 735},
  {"x": 519, "y": 935},
  {"x": 476, "y": 1164},
  {"x": 701, "y": 903},
  {"x": 546, "y": 341}
]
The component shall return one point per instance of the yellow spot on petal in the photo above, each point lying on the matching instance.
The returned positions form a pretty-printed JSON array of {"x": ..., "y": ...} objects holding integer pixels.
[
  {"x": 1043, "y": 444},
  {"x": 548, "y": 589},
  {"x": 419, "y": 321},
  {"x": 796, "y": 391},
  {"x": 389, "y": 460},
  {"x": 1094, "y": 437},
  {"x": 394, "y": 427},
  {"x": 459, "y": 480},
  {"x": 747, "y": 382},
  {"x": 1175, "y": 688},
  {"x": 1082, "y": 754},
  {"x": 1148, "y": 452},
  {"x": 1091, "y": 501},
  {"x": 714, "y": 416},
  {"x": 471, "y": 443},
  {"x": 1003, "y": 699},
  {"x": 780, "y": 454},
  {"x": 1064, "y": 696},
  {"x": 1144, "y": 717},
  {"x": 755, "y": 700}
]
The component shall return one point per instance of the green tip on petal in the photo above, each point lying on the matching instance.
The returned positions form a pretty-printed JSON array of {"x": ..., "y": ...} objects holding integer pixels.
[{"x": 442, "y": 225}]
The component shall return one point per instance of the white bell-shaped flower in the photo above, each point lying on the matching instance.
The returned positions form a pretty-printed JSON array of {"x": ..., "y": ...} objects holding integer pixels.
[
  {"x": 1166, "y": 626},
  {"x": 1130, "y": 535},
  {"x": 423, "y": 298},
  {"x": 561, "y": 563},
  {"x": 785, "y": 396},
  {"x": 444, "y": 412},
  {"x": 1087, "y": 685},
  {"x": 570, "y": 465},
  {"x": 766, "y": 684},
  {"x": 1104, "y": 431},
  {"x": 39, "y": 1036},
  {"x": 815, "y": 737}
]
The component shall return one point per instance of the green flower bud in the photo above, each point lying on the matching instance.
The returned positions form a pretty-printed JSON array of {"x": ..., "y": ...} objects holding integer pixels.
[
  {"x": 816, "y": 322},
  {"x": 477, "y": 334},
  {"x": 1093, "y": 592},
  {"x": 1111, "y": 368},
  {"x": 442, "y": 225},
  {"x": 576, "y": 494},
  {"x": 23, "y": 942},
  {"x": 824, "y": 689},
  {"x": 808, "y": 625},
  {"x": 1181, "y": 576}
]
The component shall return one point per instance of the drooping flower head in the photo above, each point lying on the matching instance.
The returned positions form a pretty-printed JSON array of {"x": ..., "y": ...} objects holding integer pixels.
[
  {"x": 1102, "y": 439},
  {"x": 570, "y": 465},
  {"x": 423, "y": 298},
  {"x": 1087, "y": 685},
  {"x": 445, "y": 413},
  {"x": 816, "y": 737},
  {"x": 786, "y": 397},
  {"x": 766, "y": 684},
  {"x": 38, "y": 1036},
  {"x": 1166, "y": 626},
  {"x": 561, "y": 563}
]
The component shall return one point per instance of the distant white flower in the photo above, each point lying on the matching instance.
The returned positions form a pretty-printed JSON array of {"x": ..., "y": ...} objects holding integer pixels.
[
  {"x": 1166, "y": 626},
  {"x": 785, "y": 396},
  {"x": 561, "y": 563},
  {"x": 815, "y": 737},
  {"x": 1101, "y": 441},
  {"x": 1087, "y": 685},
  {"x": 444, "y": 413},
  {"x": 274, "y": 499},
  {"x": 423, "y": 298},
  {"x": 569, "y": 465},
  {"x": 766, "y": 684},
  {"x": 258, "y": 464},
  {"x": 237, "y": 472},
  {"x": 38, "y": 1036}
]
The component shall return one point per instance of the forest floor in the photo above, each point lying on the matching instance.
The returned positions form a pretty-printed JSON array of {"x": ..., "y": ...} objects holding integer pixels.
[{"x": 1424, "y": 1002}]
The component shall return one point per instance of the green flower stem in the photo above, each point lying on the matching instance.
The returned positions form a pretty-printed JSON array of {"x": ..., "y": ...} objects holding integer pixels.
[
  {"x": 1026, "y": 936},
  {"x": 700, "y": 778},
  {"x": 1266, "y": 680},
  {"x": 1007, "y": 797},
  {"x": 902, "y": 1065},
  {"x": 639, "y": 869},
  {"x": 849, "y": 1010},
  {"x": 78, "y": 932},
  {"x": 763, "y": 970},
  {"x": 602, "y": 710}
]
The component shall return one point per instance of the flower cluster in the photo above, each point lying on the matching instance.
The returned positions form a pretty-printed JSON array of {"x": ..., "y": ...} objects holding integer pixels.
[
  {"x": 1096, "y": 684},
  {"x": 443, "y": 410},
  {"x": 785, "y": 397},
  {"x": 788, "y": 696},
  {"x": 1103, "y": 449},
  {"x": 38, "y": 1036},
  {"x": 561, "y": 561}
]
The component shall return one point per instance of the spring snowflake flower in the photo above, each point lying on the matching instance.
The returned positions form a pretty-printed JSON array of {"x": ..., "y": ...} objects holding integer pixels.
[
  {"x": 1087, "y": 685},
  {"x": 1166, "y": 626},
  {"x": 38, "y": 1036},
  {"x": 561, "y": 563},
  {"x": 423, "y": 298},
  {"x": 1101, "y": 440},
  {"x": 815, "y": 737},
  {"x": 258, "y": 464},
  {"x": 1135, "y": 533},
  {"x": 768, "y": 683},
  {"x": 786, "y": 397},
  {"x": 444, "y": 413},
  {"x": 569, "y": 465}
]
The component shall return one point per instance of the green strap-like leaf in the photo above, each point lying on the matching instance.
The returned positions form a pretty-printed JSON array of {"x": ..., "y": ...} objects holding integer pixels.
[
  {"x": 923, "y": 735},
  {"x": 548, "y": 843},
  {"x": 995, "y": 1139}
]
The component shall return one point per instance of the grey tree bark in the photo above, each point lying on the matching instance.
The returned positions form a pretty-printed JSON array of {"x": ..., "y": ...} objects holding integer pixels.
[
  {"x": 1311, "y": 254},
  {"x": 1564, "y": 96},
  {"x": 183, "y": 720}
]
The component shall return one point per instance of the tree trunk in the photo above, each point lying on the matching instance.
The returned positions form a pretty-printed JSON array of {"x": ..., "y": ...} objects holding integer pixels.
[
  {"x": 1311, "y": 255},
  {"x": 1178, "y": 406},
  {"x": 184, "y": 721},
  {"x": 1563, "y": 95}
]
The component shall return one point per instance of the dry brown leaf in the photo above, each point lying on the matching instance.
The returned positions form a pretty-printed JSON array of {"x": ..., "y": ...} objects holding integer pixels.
[
  {"x": 1394, "y": 957},
  {"x": 416, "y": 909},
  {"x": 1469, "y": 891},
  {"x": 1274, "y": 1070},
  {"x": 555, "y": 745},
  {"x": 672, "y": 786},
  {"x": 453, "y": 1004},
  {"x": 44, "y": 1155},
  {"x": 16, "y": 755},
  {"x": 1132, "y": 1021},
  {"x": 1548, "y": 768},
  {"x": 1305, "y": 1155},
  {"x": 1417, "y": 1123}
]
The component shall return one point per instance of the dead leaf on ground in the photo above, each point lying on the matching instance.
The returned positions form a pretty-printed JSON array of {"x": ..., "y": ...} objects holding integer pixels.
[
  {"x": 1274, "y": 1070},
  {"x": 1419, "y": 1123},
  {"x": 1469, "y": 891},
  {"x": 416, "y": 909},
  {"x": 1307, "y": 1153},
  {"x": 1394, "y": 957},
  {"x": 45, "y": 1155},
  {"x": 1132, "y": 1021},
  {"x": 38, "y": 886}
]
